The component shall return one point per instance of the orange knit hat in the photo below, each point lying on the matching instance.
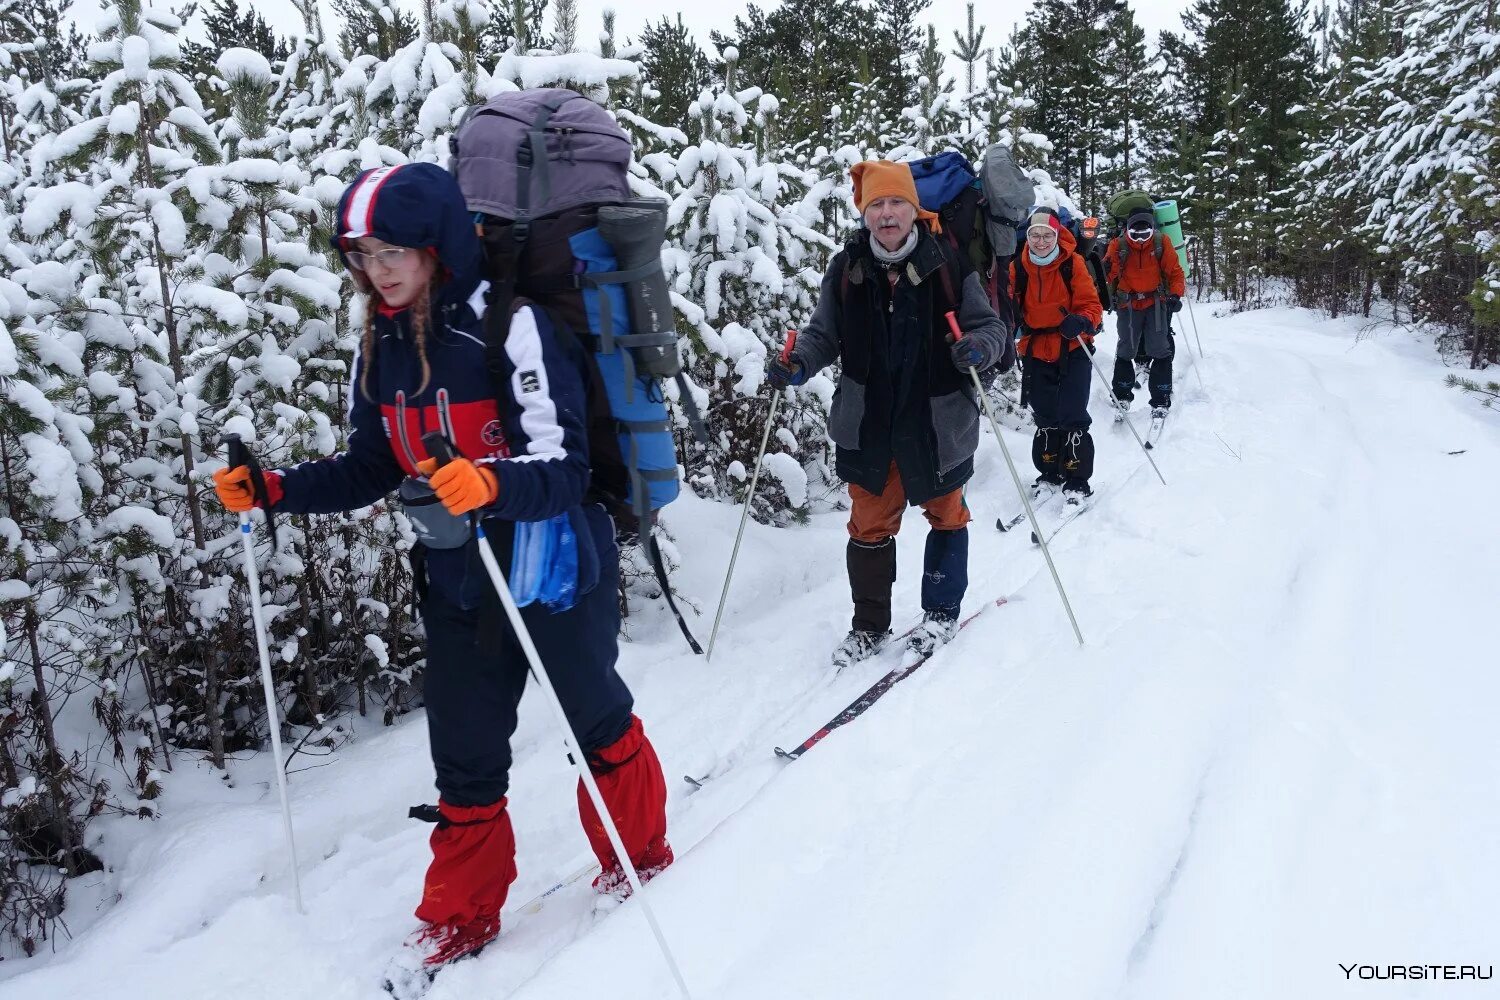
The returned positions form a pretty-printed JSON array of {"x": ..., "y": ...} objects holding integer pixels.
[{"x": 888, "y": 179}]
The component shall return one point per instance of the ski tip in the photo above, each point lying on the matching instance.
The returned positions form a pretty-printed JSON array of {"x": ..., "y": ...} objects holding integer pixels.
[
  {"x": 785, "y": 754},
  {"x": 1000, "y": 524},
  {"x": 695, "y": 782}
]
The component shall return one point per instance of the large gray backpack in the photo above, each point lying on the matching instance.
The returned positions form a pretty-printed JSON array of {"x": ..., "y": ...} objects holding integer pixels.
[
  {"x": 528, "y": 154},
  {"x": 1008, "y": 194},
  {"x": 546, "y": 174}
]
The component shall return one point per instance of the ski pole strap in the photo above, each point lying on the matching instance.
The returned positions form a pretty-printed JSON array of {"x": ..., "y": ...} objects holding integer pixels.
[
  {"x": 434, "y": 815},
  {"x": 659, "y": 567},
  {"x": 690, "y": 407}
]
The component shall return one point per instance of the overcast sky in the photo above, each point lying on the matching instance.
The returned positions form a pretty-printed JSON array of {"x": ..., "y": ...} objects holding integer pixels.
[{"x": 704, "y": 17}]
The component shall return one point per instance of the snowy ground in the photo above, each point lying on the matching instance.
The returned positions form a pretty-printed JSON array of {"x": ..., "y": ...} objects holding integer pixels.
[{"x": 1276, "y": 754}]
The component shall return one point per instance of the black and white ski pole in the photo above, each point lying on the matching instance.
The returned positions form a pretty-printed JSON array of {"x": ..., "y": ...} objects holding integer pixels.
[
  {"x": 1197, "y": 358},
  {"x": 1124, "y": 416},
  {"x": 1193, "y": 316},
  {"x": 760, "y": 457},
  {"x": 240, "y": 455},
  {"x": 1015, "y": 476},
  {"x": 441, "y": 449}
]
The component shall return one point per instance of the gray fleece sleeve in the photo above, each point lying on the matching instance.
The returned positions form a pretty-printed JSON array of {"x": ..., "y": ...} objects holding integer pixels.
[
  {"x": 818, "y": 340},
  {"x": 978, "y": 320}
]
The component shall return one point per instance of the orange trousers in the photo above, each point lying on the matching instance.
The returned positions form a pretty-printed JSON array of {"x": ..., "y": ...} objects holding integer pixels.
[{"x": 876, "y": 517}]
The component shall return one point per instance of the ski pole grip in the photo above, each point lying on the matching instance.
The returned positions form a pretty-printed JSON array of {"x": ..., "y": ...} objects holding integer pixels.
[
  {"x": 953, "y": 325},
  {"x": 439, "y": 447},
  {"x": 238, "y": 454},
  {"x": 791, "y": 342}
]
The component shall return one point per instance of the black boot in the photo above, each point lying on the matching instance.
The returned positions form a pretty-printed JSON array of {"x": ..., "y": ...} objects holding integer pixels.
[
  {"x": 1045, "y": 444},
  {"x": 872, "y": 570},
  {"x": 1161, "y": 382},
  {"x": 1077, "y": 462},
  {"x": 1124, "y": 384}
]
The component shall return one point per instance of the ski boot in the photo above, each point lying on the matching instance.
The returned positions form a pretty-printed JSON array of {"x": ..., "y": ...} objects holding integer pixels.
[
  {"x": 1077, "y": 495},
  {"x": 432, "y": 948},
  {"x": 615, "y": 883},
  {"x": 937, "y": 628},
  {"x": 1043, "y": 488},
  {"x": 859, "y": 645}
]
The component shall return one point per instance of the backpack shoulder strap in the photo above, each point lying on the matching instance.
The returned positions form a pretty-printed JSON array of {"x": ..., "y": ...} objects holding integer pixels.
[
  {"x": 945, "y": 273},
  {"x": 1018, "y": 290},
  {"x": 496, "y": 327}
]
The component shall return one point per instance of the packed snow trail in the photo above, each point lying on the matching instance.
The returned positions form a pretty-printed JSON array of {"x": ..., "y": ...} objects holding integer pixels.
[{"x": 1275, "y": 754}]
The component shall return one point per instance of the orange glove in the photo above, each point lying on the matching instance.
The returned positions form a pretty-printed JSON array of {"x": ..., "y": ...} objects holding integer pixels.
[
  {"x": 236, "y": 492},
  {"x": 461, "y": 485}
]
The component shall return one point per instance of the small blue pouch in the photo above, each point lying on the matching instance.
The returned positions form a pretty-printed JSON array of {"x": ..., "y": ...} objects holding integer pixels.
[{"x": 544, "y": 563}]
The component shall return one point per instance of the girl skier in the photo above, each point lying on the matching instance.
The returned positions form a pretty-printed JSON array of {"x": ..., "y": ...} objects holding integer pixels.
[{"x": 412, "y": 250}]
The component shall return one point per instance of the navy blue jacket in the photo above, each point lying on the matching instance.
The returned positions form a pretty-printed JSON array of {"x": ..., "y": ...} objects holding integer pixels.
[{"x": 534, "y": 438}]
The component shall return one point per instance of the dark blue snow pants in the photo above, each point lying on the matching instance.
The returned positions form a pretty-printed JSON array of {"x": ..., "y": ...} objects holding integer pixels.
[{"x": 476, "y": 673}]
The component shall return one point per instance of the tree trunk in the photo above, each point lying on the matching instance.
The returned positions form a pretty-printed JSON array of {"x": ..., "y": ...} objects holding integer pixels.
[
  {"x": 53, "y": 758},
  {"x": 174, "y": 356},
  {"x": 151, "y": 696}
]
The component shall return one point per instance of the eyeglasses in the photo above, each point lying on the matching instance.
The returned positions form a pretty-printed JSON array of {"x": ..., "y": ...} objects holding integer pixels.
[{"x": 391, "y": 257}]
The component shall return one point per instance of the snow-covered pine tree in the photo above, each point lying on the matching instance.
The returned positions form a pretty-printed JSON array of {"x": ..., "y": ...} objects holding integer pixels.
[
  {"x": 280, "y": 380},
  {"x": 1432, "y": 155},
  {"x": 1131, "y": 76},
  {"x": 51, "y": 593},
  {"x": 148, "y": 145},
  {"x": 57, "y": 647},
  {"x": 969, "y": 49},
  {"x": 463, "y": 28},
  {"x": 1244, "y": 77},
  {"x": 674, "y": 68},
  {"x": 226, "y": 25},
  {"x": 375, "y": 27},
  {"x": 1329, "y": 245},
  {"x": 937, "y": 121},
  {"x": 805, "y": 50},
  {"x": 1060, "y": 55},
  {"x": 749, "y": 256},
  {"x": 1009, "y": 111}
]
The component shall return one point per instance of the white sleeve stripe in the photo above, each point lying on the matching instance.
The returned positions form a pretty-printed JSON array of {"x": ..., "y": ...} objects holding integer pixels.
[{"x": 530, "y": 388}]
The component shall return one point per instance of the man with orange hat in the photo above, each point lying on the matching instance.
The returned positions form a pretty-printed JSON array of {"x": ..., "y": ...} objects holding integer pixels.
[{"x": 905, "y": 418}]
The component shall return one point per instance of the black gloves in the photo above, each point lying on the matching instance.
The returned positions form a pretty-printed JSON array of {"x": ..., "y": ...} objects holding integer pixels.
[{"x": 1074, "y": 326}]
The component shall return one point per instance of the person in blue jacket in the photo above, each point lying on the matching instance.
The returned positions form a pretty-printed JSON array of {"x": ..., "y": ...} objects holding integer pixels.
[{"x": 411, "y": 248}]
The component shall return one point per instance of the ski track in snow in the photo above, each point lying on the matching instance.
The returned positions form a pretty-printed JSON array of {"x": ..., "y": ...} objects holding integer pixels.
[{"x": 1274, "y": 755}]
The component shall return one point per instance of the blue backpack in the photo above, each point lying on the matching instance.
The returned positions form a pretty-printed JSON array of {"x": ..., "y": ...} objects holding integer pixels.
[{"x": 948, "y": 187}]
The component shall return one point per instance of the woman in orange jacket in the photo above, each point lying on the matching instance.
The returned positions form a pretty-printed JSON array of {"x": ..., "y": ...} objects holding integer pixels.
[
  {"x": 1058, "y": 312},
  {"x": 1148, "y": 285}
]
